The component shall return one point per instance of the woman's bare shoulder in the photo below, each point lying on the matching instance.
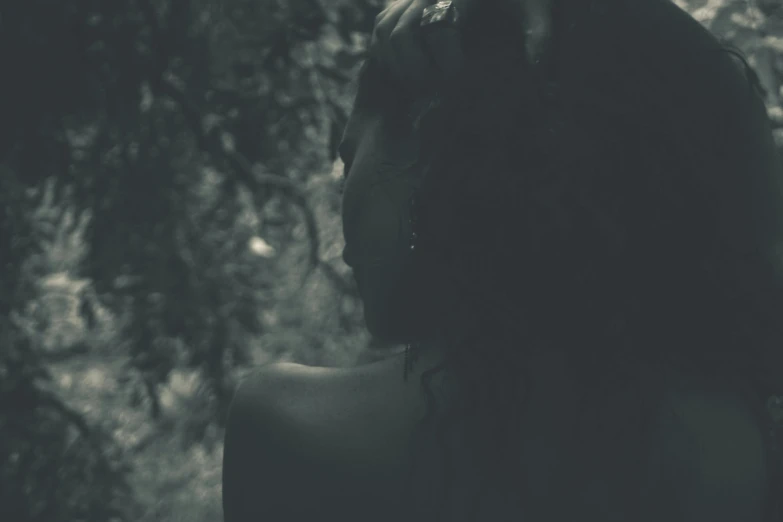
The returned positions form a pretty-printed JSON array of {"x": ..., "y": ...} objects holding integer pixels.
[
  {"x": 361, "y": 415},
  {"x": 315, "y": 440}
]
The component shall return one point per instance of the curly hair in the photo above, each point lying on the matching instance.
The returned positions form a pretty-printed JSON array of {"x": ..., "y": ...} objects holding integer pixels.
[{"x": 621, "y": 203}]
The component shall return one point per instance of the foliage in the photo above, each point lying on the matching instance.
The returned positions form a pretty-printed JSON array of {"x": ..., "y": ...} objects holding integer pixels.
[
  {"x": 182, "y": 133},
  {"x": 55, "y": 466}
]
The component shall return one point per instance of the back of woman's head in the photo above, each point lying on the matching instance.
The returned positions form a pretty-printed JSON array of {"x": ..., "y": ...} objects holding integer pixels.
[
  {"x": 622, "y": 201},
  {"x": 622, "y": 198}
]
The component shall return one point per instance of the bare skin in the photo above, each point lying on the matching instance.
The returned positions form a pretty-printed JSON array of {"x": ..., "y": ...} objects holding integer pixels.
[{"x": 326, "y": 442}]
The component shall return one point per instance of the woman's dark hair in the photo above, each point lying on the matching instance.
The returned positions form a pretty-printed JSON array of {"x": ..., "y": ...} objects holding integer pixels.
[{"x": 622, "y": 202}]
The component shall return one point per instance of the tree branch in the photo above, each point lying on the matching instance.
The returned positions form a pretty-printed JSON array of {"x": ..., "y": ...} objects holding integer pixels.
[{"x": 209, "y": 141}]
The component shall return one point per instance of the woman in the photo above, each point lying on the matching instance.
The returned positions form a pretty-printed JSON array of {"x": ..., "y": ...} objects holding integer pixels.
[{"x": 584, "y": 255}]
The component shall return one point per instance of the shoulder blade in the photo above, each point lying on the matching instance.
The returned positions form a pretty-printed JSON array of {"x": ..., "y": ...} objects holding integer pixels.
[{"x": 284, "y": 456}]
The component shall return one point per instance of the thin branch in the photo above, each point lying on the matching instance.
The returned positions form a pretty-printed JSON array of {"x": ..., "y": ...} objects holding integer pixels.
[
  {"x": 209, "y": 141},
  {"x": 47, "y": 400}
]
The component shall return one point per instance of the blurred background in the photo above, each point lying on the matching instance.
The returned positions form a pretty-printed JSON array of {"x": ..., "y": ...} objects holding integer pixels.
[{"x": 170, "y": 218}]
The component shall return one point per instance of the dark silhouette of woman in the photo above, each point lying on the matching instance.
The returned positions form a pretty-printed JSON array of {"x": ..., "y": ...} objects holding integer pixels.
[{"x": 583, "y": 254}]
